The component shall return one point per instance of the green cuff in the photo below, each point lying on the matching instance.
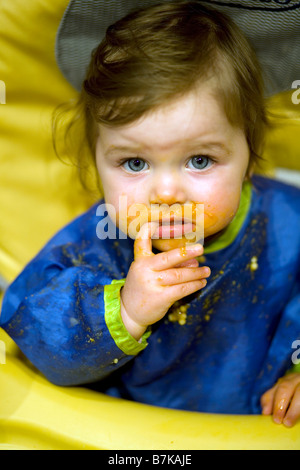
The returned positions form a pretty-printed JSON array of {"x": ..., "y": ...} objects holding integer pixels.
[{"x": 113, "y": 320}]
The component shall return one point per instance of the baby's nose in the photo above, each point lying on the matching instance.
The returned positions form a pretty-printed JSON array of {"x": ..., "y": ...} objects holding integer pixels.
[{"x": 168, "y": 190}]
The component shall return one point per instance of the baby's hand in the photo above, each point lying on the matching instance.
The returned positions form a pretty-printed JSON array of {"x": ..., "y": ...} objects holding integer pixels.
[
  {"x": 155, "y": 282},
  {"x": 283, "y": 400}
]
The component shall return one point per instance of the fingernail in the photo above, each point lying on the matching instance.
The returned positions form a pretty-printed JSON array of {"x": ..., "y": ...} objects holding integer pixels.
[
  {"x": 197, "y": 247},
  {"x": 277, "y": 420},
  {"x": 287, "y": 423}
]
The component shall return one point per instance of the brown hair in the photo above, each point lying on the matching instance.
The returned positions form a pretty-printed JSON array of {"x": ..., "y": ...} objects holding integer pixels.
[{"x": 156, "y": 54}]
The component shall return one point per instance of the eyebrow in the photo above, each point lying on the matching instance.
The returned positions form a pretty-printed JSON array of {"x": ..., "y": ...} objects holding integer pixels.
[
  {"x": 194, "y": 146},
  {"x": 114, "y": 149},
  {"x": 211, "y": 146}
]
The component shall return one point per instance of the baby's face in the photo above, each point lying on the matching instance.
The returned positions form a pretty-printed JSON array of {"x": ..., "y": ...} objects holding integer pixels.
[{"x": 185, "y": 153}]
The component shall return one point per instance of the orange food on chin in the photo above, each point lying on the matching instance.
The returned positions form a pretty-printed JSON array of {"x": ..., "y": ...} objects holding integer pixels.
[{"x": 171, "y": 244}]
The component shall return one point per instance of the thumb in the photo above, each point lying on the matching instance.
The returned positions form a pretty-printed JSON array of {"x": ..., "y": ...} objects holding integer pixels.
[{"x": 143, "y": 242}]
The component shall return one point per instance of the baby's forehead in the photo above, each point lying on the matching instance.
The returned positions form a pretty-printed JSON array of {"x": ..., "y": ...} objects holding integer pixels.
[{"x": 197, "y": 115}]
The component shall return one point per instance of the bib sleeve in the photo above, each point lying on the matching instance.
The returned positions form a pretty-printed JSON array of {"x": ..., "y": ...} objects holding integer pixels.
[{"x": 66, "y": 319}]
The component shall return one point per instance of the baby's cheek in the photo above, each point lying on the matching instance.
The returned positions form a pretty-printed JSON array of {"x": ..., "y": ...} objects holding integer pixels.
[
  {"x": 210, "y": 220},
  {"x": 219, "y": 214}
]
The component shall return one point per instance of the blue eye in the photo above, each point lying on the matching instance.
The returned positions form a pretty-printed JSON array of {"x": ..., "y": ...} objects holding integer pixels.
[
  {"x": 135, "y": 165},
  {"x": 199, "y": 162}
]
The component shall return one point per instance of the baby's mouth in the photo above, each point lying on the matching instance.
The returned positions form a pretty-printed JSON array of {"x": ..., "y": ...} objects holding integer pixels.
[
  {"x": 172, "y": 222},
  {"x": 173, "y": 228}
]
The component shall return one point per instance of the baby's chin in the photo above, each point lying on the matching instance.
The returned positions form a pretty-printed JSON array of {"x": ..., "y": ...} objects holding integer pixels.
[{"x": 170, "y": 244}]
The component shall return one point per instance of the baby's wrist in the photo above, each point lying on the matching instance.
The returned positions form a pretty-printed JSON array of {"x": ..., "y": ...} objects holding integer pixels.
[{"x": 133, "y": 328}]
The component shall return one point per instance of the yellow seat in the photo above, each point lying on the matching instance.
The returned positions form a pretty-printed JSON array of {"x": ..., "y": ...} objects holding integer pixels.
[
  {"x": 39, "y": 194},
  {"x": 37, "y": 415}
]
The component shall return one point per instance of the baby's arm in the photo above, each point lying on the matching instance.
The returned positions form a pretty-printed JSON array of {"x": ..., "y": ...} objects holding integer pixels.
[
  {"x": 56, "y": 315},
  {"x": 63, "y": 315},
  {"x": 283, "y": 400},
  {"x": 155, "y": 282}
]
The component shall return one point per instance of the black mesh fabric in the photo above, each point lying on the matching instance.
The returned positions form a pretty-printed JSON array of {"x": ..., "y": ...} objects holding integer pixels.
[{"x": 272, "y": 26}]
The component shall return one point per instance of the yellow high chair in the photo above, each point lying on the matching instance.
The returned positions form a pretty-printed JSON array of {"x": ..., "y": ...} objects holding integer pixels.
[{"x": 38, "y": 195}]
